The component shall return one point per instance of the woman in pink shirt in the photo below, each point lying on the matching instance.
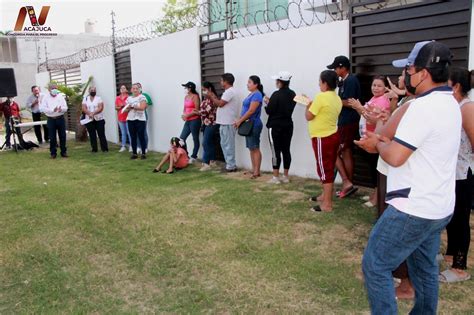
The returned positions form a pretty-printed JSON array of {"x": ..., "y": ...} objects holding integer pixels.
[
  {"x": 120, "y": 103},
  {"x": 379, "y": 103},
  {"x": 191, "y": 117},
  {"x": 177, "y": 157}
]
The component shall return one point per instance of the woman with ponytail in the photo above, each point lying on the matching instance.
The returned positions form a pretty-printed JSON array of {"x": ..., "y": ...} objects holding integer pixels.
[
  {"x": 251, "y": 110},
  {"x": 459, "y": 231},
  {"x": 191, "y": 117}
]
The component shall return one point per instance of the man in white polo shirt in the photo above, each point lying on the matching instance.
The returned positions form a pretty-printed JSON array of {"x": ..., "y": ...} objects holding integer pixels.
[
  {"x": 54, "y": 106},
  {"x": 420, "y": 184},
  {"x": 227, "y": 114}
]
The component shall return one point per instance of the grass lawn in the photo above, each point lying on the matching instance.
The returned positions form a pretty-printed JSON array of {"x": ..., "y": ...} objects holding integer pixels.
[{"x": 103, "y": 234}]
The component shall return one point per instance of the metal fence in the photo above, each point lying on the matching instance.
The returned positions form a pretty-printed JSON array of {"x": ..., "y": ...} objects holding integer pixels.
[{"x": 228, "y": 14}]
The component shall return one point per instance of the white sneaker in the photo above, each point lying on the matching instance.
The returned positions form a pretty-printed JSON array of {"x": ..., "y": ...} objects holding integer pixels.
[
  {"x": 213, "y": 163},
  {"x": 274, "y": 180},
  {"x": 205, "y": 168},
  {"x": 284, "y": 179},
  {"x": 130, "y": 149},
  {"x": 191, "y": 161},
  {"x": 139, "y": 151},
  {"x": 123, "y": 149}
]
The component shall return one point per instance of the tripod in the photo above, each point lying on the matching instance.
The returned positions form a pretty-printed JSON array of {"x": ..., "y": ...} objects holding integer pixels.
[{"x": 13, "y": 132}]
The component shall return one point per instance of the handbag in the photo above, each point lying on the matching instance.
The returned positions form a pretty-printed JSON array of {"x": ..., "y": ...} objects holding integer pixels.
[{"x": 245, "y": 128}]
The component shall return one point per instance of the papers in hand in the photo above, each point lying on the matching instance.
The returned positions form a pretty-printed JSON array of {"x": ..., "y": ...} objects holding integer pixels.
[
  {"x": 126, "y": 107},
  {"x": 86, "y": 120},
  {"x": 302, "y": 100}
]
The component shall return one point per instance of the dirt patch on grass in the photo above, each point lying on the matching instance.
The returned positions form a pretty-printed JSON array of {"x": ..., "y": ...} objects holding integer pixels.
[
  {"x": 117, "y": 281},
  {"x": 289, "y": 196}
]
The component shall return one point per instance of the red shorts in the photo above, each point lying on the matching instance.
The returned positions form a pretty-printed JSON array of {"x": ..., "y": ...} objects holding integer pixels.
[
  {"x": 325, "y": 151},
  {"x": 347, "y": 134}
]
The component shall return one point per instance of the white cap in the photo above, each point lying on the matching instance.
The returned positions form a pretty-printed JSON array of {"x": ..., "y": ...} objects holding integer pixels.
[{"x": 283, "y": 76}]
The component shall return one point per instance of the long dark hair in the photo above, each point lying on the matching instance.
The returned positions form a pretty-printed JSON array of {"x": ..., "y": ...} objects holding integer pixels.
[
  {"x": 464, "y": 77},
  {"x": 256, "y": 80},
  {"x": 193, "y": 91},
  {"x": 208, "y": 85},
  {"x": 179, "y": 143}
]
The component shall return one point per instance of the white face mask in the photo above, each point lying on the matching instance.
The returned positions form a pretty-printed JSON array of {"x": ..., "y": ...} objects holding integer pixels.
[{"x": 204, "y": 92}]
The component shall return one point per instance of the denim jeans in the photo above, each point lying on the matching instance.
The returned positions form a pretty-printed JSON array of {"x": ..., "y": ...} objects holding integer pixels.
[
  {"x": 227, "y": 133},
  {"x": 209, "y": 153},
  {"x": 146, "y": 138},
  {"x": 137, "y": 133},
  {"x": 57, "y": 125},
  {"x": 192, "y": 127},
  {"x": 124, "y": 133},
  {"x": 395, "y": 237}
]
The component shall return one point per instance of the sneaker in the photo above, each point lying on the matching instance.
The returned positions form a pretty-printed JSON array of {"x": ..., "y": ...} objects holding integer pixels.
[
  {"x": 123, "y": 149},
  {"x": 284, "y": 179},
  {"x": 205, "y": 167},
  {"x": 134, "y": 157},
  {"x": 64, "y": 155},
  {"x": 143, "y": 157},
  {"x": 274, "y": 180},
  {"x": 191, "y": 160},
  {"x": 213, "y": 163},
  {"x": 130, "y": 149}
]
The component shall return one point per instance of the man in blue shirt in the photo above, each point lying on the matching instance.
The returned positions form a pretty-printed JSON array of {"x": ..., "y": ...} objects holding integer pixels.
[{"x": 348, "y": 124}]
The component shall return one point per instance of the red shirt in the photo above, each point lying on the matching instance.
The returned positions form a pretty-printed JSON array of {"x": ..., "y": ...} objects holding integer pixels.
[
  {"x": 121, "y": 102},
  {"x": 10, "y": 110}
]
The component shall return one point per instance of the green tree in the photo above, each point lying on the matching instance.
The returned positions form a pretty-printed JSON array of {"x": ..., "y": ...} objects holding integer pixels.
[{"x": 179, "y": 15}]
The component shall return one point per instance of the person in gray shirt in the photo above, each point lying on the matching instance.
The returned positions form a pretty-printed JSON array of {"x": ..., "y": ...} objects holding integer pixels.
[{"x": 32, "y": 103}]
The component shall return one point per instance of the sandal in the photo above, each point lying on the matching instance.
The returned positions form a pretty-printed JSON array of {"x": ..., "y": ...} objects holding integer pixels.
[
  {"x": 449, "y": 276},
  {"x": 156, "y": 170},
  {"x": 166, "y": 172},
  {"x": 346, "y": 193},
  {"x": 255, "y": 176},
  {"x": 318, "y": 209}
]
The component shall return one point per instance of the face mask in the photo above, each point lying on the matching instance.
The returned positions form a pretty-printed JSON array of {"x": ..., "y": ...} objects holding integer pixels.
[
  {"x": 54, "y": 92},
  {"x": 204, "y": 93},
  {"x": 410, "y": 89},
  {"x": 92, "y": 94}
]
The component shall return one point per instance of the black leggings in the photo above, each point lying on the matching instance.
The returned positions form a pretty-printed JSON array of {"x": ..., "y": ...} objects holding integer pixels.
[
  {"x": 97, "y": 128},
  {"x": 459, "y": 231},
  {"x": 137, "y": 129},
  {"x": 280, "y": 141}
]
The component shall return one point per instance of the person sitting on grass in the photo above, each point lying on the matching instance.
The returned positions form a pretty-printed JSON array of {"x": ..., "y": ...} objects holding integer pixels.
[{"x": 177, "y": 157}]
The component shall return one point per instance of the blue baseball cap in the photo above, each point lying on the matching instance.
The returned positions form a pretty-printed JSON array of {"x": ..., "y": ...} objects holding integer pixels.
[{"x": 402, "y": 63}]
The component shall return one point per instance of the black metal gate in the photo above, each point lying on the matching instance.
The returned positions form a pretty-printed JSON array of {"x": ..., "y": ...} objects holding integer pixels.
[
  {"x": 123, "y": 69},
  {"x": 379, "y": 36},
  {"x": 212, "y": 67},
  {"x": 69, "y": 78}
]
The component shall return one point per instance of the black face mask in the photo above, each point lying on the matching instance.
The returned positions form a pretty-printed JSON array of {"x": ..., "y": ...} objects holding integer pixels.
[
  {"x": 410, "y": 89},
  {"x": 92, "y": 94}
]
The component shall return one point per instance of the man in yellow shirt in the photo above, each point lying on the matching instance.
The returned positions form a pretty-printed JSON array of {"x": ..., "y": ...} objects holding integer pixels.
[{"x": 322, "y": 115}]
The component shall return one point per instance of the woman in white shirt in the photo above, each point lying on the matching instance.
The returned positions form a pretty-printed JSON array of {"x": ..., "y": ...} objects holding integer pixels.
[
  {"x": 93, "y": 107},
  {"x": 136, "y": 120}
]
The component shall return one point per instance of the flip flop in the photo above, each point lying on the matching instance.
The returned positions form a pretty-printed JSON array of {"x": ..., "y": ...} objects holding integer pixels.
[
  {"x": 316, "y": 209},
  {"x": 352, "y": 190},
  {"x": 166, "y": 172},
  {"x": 449, "y": 276},
  {"x": 156, "y": 171}
]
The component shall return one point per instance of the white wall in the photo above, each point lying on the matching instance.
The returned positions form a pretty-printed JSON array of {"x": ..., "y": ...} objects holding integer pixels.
[
  {"x": 161, "y": 65},
  {"x": 103, "y": 72},
  {"x": 42, "y": 80},
  {"x": 304, "y": 52}
]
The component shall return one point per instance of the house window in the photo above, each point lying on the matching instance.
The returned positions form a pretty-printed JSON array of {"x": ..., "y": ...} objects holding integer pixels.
[{"x": 249, "y": 12}]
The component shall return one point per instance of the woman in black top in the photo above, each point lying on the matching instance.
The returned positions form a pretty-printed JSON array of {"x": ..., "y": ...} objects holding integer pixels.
[{"x": 280, "y": 125}]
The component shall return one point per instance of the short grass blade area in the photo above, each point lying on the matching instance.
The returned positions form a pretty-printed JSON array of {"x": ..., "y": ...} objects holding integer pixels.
[{"x": 99, "y": 233}]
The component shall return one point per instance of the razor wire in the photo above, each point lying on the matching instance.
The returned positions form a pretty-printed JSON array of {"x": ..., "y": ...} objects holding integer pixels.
[{"x": 238, "y": 23}]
